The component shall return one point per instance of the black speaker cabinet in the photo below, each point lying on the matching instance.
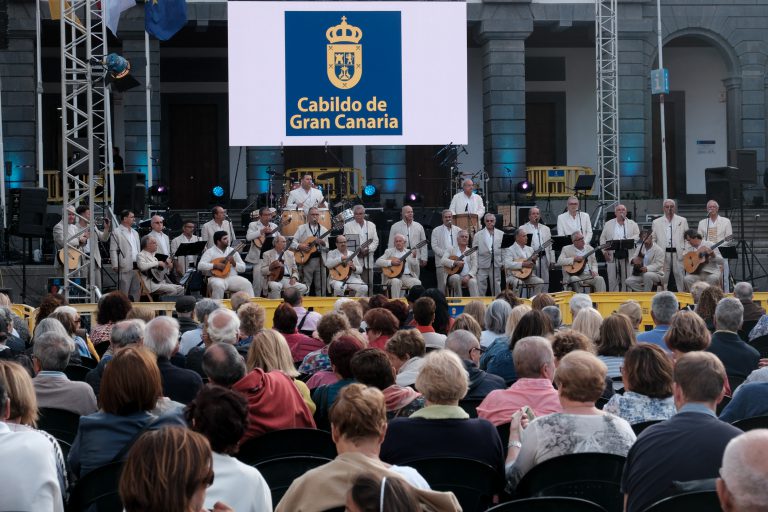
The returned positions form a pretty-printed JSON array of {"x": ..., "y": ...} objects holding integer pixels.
[
  {"x": 722, "y": 185},
  {"x": 130, "y": 193},
  {"x": 27, "y": 210}
]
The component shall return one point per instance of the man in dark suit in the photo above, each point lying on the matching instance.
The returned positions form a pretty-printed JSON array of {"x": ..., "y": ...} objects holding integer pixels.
[
  {"x": 738, "y": 357},
  {"x": 162, "y": 338}
]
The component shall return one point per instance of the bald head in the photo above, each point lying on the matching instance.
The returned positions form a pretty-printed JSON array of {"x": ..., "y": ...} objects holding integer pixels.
[
  {"x": 533, "y": 358},
  {"x": 741, "y": 486}
]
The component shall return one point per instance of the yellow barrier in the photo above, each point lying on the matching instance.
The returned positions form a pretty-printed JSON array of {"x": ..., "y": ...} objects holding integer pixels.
[{"x": 557, "y": 181}]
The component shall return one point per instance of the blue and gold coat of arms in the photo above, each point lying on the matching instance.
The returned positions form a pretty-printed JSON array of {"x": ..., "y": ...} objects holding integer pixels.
[{"x": 344, "y": 55}]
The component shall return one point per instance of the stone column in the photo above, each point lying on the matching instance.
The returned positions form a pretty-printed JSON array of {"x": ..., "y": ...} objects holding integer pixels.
[
  {"x": 733, "y": 111},
  {"x": 386, "y": 170}
]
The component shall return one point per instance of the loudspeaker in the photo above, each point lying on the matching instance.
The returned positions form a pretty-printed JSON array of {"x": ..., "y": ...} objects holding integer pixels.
[
  {"x": 3, "y": 24},
  {"x": 722, "y": 186},
  {"x": 745, "y": 160},
  {"x": 27, "y": 211},
  {"x": 130, "y": 193}
]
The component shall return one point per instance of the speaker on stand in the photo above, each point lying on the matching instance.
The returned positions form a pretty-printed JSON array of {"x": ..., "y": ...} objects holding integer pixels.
[{"x": 28, "y": 207}]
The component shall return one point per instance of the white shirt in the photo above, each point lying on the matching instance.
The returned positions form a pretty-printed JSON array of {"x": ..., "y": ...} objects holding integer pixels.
[
  {"x": 133, "y": 238},
  {"x": 163, "y": 245},
  {"x": 568, "y": 224},
  {"x": 463, "y": 204},
  {"x": 455, "y": 251},
  {"x": 213, "y": 253},
  {"x": 306, "y": 198},
  {"x": 620, "y": 231},
  {"x": 238, "y": 485}
]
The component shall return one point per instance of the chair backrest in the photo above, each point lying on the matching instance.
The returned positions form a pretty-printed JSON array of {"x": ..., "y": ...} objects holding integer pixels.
[
  {"x": 594, "y": 477},
  {"x": 700, "y": 501},
  {"x": 735, "y": 381},
  {"x": 470, "y": 406},
  {"x": 98, "y": 489},
  {"x": 286, "y": 443},
  {"x": 725, "y": 401},
  {"x": 761, "y": 344},
  {"x": 600, "y": 403},
  {"x": 474, "y": 483},
  {"x": 548, "y": 504},
  {"x": 59, "y": 423},
  {"x": 280, "y": 473},
  {"x": 639, "y": 427},
  {"x": 752, "y": 423},
  {"x": 76, "y": 372}
]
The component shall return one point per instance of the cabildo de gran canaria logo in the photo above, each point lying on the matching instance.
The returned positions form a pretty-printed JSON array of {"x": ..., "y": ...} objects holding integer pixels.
[{"x": 328, "y": 92}]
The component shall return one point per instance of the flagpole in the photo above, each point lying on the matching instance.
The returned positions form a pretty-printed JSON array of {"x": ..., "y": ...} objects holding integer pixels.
[
  {"x": 38, "y": 56},
  {"x": 149, "y": 111},
  {"x": 2, "y": 158}
]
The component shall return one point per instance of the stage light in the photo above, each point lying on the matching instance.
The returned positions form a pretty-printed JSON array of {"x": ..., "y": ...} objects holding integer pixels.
[
  {"x": 413, "y": 198},
  {"x": 116, "y": 71},
  {"x": 117, "y": 66},
  {"x": 369, "y": 190},
  {"x": 525, "y": 187},
  {"x": 218, "y": 191}
]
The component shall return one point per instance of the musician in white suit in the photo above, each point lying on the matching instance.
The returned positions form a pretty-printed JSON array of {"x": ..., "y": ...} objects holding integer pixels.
[
  {"x": 213, "y": 226},
  {"x": 715, "y": 228},
  {"x": 258, "y": 231},
  {"x": 353, "y": 282},
  {"x": 146, "y": 261},
  {"x": 363, "y": 230},
  {"x": 575, "y": 253},
  {"x": 573, "y": 220},
  {"x": 709, "y": 271},
  {"x": 618, "y": 228},
  {"x": 467, "y": 201},
  {"x": 289, "y": 277},
  {"x": 669, "y": 233},
  {"x": 62, "y": 235},
  {"x": 392, "y": 257},
  {"x": 124, "y": 248},
  {"x": 466, "y": 276},
  {"x": 187, "y": 236},
  {"x": 413, "y": 233},
  {"x": 540, "y": 235},
  {"x": 163, "y": 243},
  {"x": 313, "y": 271},
  {"x": 83, "y": 221},
  {"x": 232, "y": 282},
  {"x": 652, "y": 266},
  {"x": 443, "y": 240},
  {"x": 489, "y": 257},
  {"x": 512, "y": 257}
]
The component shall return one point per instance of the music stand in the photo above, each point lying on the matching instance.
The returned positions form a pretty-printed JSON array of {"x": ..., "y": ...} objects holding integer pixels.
[
  {"x": 191, "y": 249},
  {"x": 558, "y": 242},
  {"x": 584, "y": 184},
  {"x": 628, "y": 245},
  {"x": 507, "y": 240}
]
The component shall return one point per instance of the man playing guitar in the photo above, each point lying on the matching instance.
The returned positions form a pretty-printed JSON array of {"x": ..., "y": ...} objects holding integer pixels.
[
  {"x": 146, "y": 261},
  {"x": 394, "y": 257},
  {"x": 280, "y": 263},
  {"x": 214, "y": 258},
  {"x": 520, "y": 256},
  {"x": 709, "y": 269},
  {"x": 258, "y": 232},
  {"x": 577, "y": 254},
  {"x": 648, "y": 266},
  {"x": 312, "y": 271},
  {"x": 457, "y": 256},
  {"x": 353, "y": 282}
]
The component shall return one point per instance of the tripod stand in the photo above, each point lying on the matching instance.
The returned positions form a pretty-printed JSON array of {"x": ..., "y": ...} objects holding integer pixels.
[{"x": 746, "y": 248}]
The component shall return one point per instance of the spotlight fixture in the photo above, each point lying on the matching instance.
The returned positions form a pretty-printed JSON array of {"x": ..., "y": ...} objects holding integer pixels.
[
  {"x": 369, "y": 190},
  {"x": 525, "y": 187},
  {"x": 217, "y": 191},
  {"x": 413, "y": 198}
]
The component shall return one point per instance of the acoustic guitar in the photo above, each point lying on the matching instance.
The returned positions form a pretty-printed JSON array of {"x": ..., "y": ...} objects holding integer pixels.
[
  {"x": 396, "y": 271},
  {"x": 577, "y": 268},
  {"x": 637, "y": 261},
  {"x": 457, "y": 268},
  {"x": 276, "y": 274},
  {"x": 159, "y": 274},
  {"x": 303, "y": 256},
  {"x": 72, "y": 255},
  {"x": 227, "y": 261},
  {"x": 341, "y": 271},
  {"x": 524, "y": 272},
  {"x": 694, "y": 261}
]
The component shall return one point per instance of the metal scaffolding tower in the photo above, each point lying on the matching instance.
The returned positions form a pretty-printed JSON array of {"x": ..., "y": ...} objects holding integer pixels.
[{"x": 607, "y": 62}]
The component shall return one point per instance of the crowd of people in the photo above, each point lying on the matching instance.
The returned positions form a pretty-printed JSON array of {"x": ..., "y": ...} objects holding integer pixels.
[{"x": 393, "y": 381}]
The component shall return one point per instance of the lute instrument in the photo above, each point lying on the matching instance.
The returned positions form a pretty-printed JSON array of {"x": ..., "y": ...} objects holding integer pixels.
[
  {"x": 341, "y": 271},
  {"x": 525, "y": 272},
  {"x": 577, "y": 267},
  {"x": 395, "y": 271},
  {"x": 457, "y": 268},
  {"x": 694, "y": 261},
  {"x": 276, "y": 274},
  {"x": 303, "y": 256},
  {"x": 227, "y": 261},
  {"x": 637, "y": 261},
  {"x": 70, "y": 254}
]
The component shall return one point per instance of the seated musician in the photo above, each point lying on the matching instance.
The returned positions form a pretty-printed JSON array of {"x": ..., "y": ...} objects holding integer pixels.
[
  {"x": 520, "y": 256},
  {"x": 647, "y": 265},
  {"x": 574, "y": 254},
  {"x": 709, "y": 268},
  {"x": 336, "y": 258},
  {"x": 214, "y": 258},
  {"x": 257, "y": 233},
  {"x": 146, "y": 261},
  {"x": 396, "y": 256},
  {"x": 466, "y": 275},
  {"x": 312, "y": 270},
  {"x": 280, "y": 275}
]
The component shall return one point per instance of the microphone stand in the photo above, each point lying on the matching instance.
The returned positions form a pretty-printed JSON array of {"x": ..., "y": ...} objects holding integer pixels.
[{"x": 493, "y": 268}]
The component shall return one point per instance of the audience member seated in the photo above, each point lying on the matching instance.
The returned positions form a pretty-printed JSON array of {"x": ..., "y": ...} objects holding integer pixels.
[
  {"x": 185, "y": 313},
  {"x": 568, "y": 340},
  {"x": 370, "y": 492},
  {"x": 442, "y": 428},
  {"x": 707, "y": 303},
  {"x": 308, "y": 320},
  {"x": 168, "y": 469},
  {"x": 252, "y": 317},
  {"x": 70, "y": 319},
  {"x": 542, "y": 300},
  {"x": 580, "y": 428},
  {"x": 696, "y": 290},
  {"x": 578, "y": 302},
  {"x": 52, "y": 387},
  {"x": 352, "y": 309},
  {"x": 634, "y": 312},
  {"x": 194, "y": 338},
  {"x": 749, "y": 400},
  {"x": 535, "y": 368},
  {"x": 423, "y": 316},
  {"x": 443, "y": 321},
  {"x": 760, "y": 329},
  {"x": 358, "y": 423},
  {"x": 616, "y": 337},
  {"x": 161, "y": 336},
  {"x": 269, "y": 351},
  {"x": 663, "y": 306},
  {"x": 554, "y": 315},
  {"x": 688, "y": 446},
  {"x": 122, "y": 334},
  {"x": 130, "y": 389},
  {"x": 371, "y": 367},
  {"x": 466, "y": 345},
  {"x": 221, "y": 415},
  {"x": 495, "y": 321},
  {"x": 737, "y": 356},
  {"x": 406, "y": 350},
  {"x": 9, "y": 342},
  {"x": 112, "y": 308},
  {"x": 142, "y": 313},
  {"x": 588, "y": 322},
  {"x": 741, "y": 486},
  {"x": 340, "y": 352},
  {"x": 327, "y": 327},
  {"x": 647, "y": 378},
  {"x": 238, "y": 299},
  {"x": 285, "y": 321},
  {"x": 221, "y": 326},
  {"x": 687, "y": 333},
  {"x": 401, "y": 311},
  {"x": 29, "y": 470},
  {"x": 476, "y": 309},
  {"x": 501, "y": 344},
  {"x": 744, "y": 293},
  {"x": 467, "y": 322},
  {"x": 380, "y": 325},
  {"x": 20, "y": 326},
  {"x": 499, "y": 359}
]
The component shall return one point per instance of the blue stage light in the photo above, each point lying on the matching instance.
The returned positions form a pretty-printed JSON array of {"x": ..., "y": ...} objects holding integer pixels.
[
  {"x": 218, "y": 191},
  {"x": 369, "y": 190}
]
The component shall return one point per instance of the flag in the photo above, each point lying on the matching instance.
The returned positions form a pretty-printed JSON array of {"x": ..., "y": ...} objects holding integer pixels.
[
  {"x": 112, "y": 11},
  {"x": 55, "y": 7},
  {"x": 163, "y": 18}
]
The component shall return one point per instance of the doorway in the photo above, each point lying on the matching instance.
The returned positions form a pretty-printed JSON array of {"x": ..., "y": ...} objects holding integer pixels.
[{"x": 674, "y": 119}]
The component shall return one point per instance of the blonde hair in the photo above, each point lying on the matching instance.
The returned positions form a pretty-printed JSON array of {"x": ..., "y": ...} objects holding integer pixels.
[
  {"x": 353, "y": 333},
  {"x": 442, "y": 379},
  {"x": 514, "y": 317},
  {"x": 588, "y": 323},
  {"x": 359, "y": 412},
  {"x": 18, "y": 384},
  {"x": 468, "y": 323},
  {"x": 252, "y": 317},
  {"x": 140, "y": 313},
  {"x": 633, "y": 311},
  {"x": 476, "y": 309},
  {"x": 580, "y": 376},
  {"x": 269, "y": 351}
]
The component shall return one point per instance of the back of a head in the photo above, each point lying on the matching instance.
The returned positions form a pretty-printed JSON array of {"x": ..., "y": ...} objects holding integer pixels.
[
  {"x": 533, "y": 323},
  {"x": 373, "y": 494},
  {"x": 53, "y": 351},
  {"x": 579, "y": 302},
  {"x": 164, "y": 469},
  {"x": 700, "y": 376},
  {"x": 467, "y": 323},
  {"x": 221, "y": 415},
  {"x": 476, "y": 309},
  {"x": 745, "y": 471},
  {"x": 542, "y": 300},
  {"x": 697, "y": 289},
  {"x": 330, "y": 324},
  {"x": 442, "y": 378},
  {"x": 65, "y": 318},
  {"x": 161, "y": 336},
  {"x": 223, "y": 364},
  {"x": 400, "y": 310},
  {"x": 461, "y": 342},
  {"x": 514, "y": 317},
  {"x": 648, "y": 371},
  {"x": 616, "y": 336},
  {"x": 424, "y": 311},
  {"x": 340, "y": 353},
  {"x": 729, "y": 314},
  {"x": 18, "y": 385},
  {"x": 406, "y": 343},
  {"x": 581, "y": 377},
  {"x": 743, "y": 291},
  {"x": 588, "y": 322},
  {"x": 269, "y": 351},
  {"x": 353, "y": 311},
  {"x": 568, "y": 340},
  {"x": 251, "y": 317},
  {"x": 633, "y": 311},
  {"x": 292, "y": 297},
  {"x": 113, "y": 307},
  {"x": 238, "y": 299},
  {"x": 687, "y": 332},
  {"x": 530, "y": 355},
  {"x": 359, "y": 412},
  {"x": 372, "y": 367},
  {"x": 223, "y": 326},
  {"x": 141, "y": 313},
  {"x": 381, "y": 320},
  {"x": 708, "y": 301},
  {"x": 414, "y": 293},
  {"x": 204, "y": 308},
  {"x": 127, "y": 332},
  {"x": 131, "y": 382},
  {"x": 285, "y": 319},
  {"x": 555, "y": 316},
  {"x": 496, "y": 316},
  {"x": 46, "y": 325}
]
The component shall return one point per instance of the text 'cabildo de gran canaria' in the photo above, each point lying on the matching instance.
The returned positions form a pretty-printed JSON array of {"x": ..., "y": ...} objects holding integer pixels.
[{"x": 344, "y": 113}]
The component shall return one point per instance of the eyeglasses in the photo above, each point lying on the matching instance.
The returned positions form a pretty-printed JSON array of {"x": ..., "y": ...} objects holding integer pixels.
[
  {"x": 479, "y": 349},
  {"x": 578, "y": 239}
]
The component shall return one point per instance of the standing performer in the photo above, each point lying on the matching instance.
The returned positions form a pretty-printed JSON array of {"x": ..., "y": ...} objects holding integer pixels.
[
  {"x": 575, "y": 253},
  {"x": 83, "y": 222},
  {"x": 353, "y": 282},
  {"x": 443, "y": 240},
  {"x": 709, "y": 270},
  {"x": 466, "y": 275},
  {"x": 187, "y": 236},
  {"x": 231, "y": 281},
  {"x": 218, "y": 223},
  {"x": 364, "y": 230},
  {"x": 489, "y": 257},
  {"x": 313, "y": 271},
  {"x": 288, "y": 276},
  {"x": 647, "y": 265},
  {"x": 573, "y": 220},
  {"x": 467, "y": 201},
  {"x": 393, "y": 257},
  {"x": 618, "y": 228},
  {"x": 163, "y": 243},
  {"x": 540, "y": 235},
  {"x": 306, "y": 196},
  {"x": 257, "y": 234},
  {"x": 146, "y": 262},
  {"x": 413, "y": 233},
  {"x": 63, "y": 233},
  {"x": 669, "y": 231},
  {"x": 714, "y": 228},
  {"x": 512, "y": 257},
  {"x": 123, "y": 250}
]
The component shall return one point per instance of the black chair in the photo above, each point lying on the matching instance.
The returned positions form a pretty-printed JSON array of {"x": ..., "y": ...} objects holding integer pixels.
[
  {"x": 746, "y": 328},
  {"x": 76, "y": 372},
  {"x": 470, "y": 406},
  {"x": 594, "y": 477},
  {"x": 548, "y": 504},
  {"x": 700, "y": 501},
  {"x": 98, "y": 490},
  {"x": 761, "y": 344},
  {"x": 601, "y": 402},
  {"x": 286, "y": 443},
  {"x": 725, "y": 401},
  {"x": 751, "y": 423},
  {"x": 280, "y": 473},
  {"x": 59, "y": 423},
  {"x": 639, "y": 427},
  {"x": 474, "y": 483},
  {"x": 735, "y": 381},
  {"x": 503, "y": 431}
]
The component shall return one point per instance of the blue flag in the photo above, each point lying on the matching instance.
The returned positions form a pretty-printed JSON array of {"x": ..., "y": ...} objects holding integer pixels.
[{"x": 163, "y": 18}]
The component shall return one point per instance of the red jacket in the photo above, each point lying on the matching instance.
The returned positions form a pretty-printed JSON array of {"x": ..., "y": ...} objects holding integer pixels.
[{"x": 301, "y": 345}]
